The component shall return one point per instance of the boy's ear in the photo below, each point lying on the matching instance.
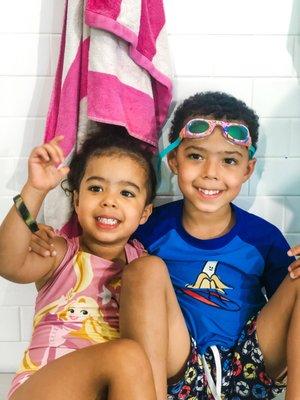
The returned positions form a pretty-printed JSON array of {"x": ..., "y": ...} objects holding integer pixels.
[
  {"x": 146, "y": 213},
  {"x": 172, "y": 162},
  {"x": 250, "y": 169}
]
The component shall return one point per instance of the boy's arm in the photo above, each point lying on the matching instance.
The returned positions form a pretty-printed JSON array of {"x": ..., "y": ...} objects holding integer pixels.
[
  {"x": 16, "y": 262},
  {"x": 294, "y": 268},
  {"x": 277, "y": 263}
]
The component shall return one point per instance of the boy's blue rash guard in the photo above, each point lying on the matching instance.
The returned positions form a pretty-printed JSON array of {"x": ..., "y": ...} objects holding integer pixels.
[{"x": 218, "y": 282}]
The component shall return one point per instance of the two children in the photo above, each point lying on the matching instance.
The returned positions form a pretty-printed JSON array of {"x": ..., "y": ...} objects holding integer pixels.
[
  {"x": 202, "y": 316},
  {"x": 72, "y": 354}
]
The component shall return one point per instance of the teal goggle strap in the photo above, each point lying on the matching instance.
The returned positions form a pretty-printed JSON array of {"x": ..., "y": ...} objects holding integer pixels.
[
  {"x": 251, "y": 151},
  {"x": 169, "y": 148}
]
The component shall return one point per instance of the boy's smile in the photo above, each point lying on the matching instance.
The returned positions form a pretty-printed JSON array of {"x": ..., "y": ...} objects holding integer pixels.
[{"x": 211, "y": 171}]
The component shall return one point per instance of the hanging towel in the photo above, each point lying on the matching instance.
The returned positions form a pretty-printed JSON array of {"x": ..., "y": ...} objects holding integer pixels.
[{"x": 113, "y": 67}]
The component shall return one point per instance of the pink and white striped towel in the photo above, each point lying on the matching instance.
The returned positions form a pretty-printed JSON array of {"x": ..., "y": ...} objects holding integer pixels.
[{"x": 113, "y": 67}]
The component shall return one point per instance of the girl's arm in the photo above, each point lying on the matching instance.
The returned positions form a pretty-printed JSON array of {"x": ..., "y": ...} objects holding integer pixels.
[{"x": 16, "y": 262}]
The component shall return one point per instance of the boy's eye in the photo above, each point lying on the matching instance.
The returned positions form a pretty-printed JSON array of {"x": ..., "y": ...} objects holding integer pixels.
[
  {"x": 127, "y": 193},
  {"x": 230, "y": 161},
  {"x": 95, "y": 188},
  {"x": 195, "y": 156}
]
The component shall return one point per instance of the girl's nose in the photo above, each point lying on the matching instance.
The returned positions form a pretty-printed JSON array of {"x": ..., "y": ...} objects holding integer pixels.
[{"x": 109, "y": 201}]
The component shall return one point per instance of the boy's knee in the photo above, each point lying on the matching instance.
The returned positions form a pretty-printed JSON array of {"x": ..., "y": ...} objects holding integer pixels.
[
  {"x": 130, "y": 356},
  {"x": 145, "y": 269}
]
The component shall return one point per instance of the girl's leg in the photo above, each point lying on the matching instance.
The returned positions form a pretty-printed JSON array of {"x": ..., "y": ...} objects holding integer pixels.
[
  {"x": 114, "y": 370},
  {"x": 150, "y": 314}
]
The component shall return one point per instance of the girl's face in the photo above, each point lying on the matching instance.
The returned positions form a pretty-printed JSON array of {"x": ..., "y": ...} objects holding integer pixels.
[{"x": 111, "y": 200}]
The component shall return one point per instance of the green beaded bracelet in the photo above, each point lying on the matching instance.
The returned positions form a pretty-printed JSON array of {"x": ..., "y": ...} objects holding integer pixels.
[{"x": 25, "y": 214}]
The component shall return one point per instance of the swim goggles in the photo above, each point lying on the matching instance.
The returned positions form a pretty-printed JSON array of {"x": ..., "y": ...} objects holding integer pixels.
[{"x": 198, "y": 128}]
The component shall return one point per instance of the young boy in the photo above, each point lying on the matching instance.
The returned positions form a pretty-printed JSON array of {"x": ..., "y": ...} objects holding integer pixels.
[{"x": 201, "y": 314}]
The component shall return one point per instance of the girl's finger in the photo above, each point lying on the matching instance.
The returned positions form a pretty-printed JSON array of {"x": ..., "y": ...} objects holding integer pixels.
[
  {"x": 57, "y": 139},
  {"x": 42, "y": 153},
  {"x": 52, "y": 151}
]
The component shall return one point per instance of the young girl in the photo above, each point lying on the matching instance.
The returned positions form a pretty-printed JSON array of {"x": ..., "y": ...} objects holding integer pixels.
[{"x": 113, "y": 185}]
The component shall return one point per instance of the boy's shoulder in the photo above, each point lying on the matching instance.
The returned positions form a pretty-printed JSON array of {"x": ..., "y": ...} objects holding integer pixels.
[
  {"x": 252, "y": 225},
  {"x": 163, "y": 218},
  {"x": 167, "y": 214}
]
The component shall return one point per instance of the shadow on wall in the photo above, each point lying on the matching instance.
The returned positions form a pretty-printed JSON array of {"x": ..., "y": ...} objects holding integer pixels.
[{"x": 51, "y": 18}]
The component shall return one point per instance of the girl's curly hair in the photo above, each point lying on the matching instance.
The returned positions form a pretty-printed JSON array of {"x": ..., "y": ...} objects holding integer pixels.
[{"x": 105, "y": 139}]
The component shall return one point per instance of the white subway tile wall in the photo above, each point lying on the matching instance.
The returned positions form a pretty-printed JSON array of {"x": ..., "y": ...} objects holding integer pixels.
[{"x": 250, "y": 49}]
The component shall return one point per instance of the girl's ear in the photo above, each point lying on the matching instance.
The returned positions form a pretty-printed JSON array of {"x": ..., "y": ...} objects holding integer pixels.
[
  {"x": 172, "y": 161},
  {"x": 75, "y": 200},
  {"x": 146, "y": 213}
]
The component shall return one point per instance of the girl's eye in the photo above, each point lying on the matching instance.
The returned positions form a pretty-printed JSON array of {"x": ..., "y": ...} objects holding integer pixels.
[
  {"x": 71, "y": 310},
  {"x": 195, "y": 156},
  {"x": 95, "y": 188},
  {"x": 84, "y": 312},
  {"x": 126, "y": 193},
  {"x": 230, "y": 161}
]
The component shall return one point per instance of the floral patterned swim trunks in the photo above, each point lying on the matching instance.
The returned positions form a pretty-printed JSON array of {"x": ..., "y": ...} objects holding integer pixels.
[{"x": 243, "y": 372}]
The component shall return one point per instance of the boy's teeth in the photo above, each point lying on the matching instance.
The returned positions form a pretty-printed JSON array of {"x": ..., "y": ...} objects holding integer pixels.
[
  {"x": 108, "y": 221},
  {"x": 209, "y": 192}
]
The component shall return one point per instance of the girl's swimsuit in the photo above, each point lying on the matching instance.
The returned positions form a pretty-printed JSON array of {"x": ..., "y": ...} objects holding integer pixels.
[{"x": 76, "y": 308}]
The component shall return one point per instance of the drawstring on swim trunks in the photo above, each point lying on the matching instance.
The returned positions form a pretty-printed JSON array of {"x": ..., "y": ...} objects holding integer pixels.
[{"x": 215, "y": 387}]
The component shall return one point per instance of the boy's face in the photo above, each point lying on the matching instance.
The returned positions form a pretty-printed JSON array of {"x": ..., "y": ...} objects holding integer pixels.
[{"x": 211, "y": 171}]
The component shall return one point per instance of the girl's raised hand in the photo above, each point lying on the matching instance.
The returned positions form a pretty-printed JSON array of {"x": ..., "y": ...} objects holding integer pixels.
[
  {"x": 44, "y": 165},
  {"x": 294, "y": 268}
]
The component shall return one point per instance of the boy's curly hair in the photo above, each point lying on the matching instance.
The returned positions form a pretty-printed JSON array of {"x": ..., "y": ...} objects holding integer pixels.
[
  {"x": 105, "y": 139},
  {"x": 216, "y": 105}
]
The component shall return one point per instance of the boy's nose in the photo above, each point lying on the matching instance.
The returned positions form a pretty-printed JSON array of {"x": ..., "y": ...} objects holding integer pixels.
[{"x": 210, "y": 169}]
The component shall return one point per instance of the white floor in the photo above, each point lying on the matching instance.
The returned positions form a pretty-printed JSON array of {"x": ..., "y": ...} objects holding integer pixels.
[{"x": 6, "y": 378}]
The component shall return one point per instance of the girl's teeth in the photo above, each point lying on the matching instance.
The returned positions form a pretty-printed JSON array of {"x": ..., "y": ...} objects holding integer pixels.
[
  {"x": 209, "y": 192},
  {"x": 107, "y": 221}
]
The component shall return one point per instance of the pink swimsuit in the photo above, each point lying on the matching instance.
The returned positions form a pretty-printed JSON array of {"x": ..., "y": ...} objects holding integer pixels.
[{"x": 77, "y": 307}]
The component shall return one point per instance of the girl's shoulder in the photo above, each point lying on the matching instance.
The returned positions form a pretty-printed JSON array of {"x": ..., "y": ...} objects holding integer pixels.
[
  {"x": 65, "y": 248},
  {"x": 134, "y": 249}
]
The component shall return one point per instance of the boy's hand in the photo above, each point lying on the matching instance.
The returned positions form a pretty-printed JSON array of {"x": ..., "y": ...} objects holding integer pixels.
[
  {"x": 42, "y": 241},
  {"x": 44, "y": 166},
  {"x": 294, "y": 268}
]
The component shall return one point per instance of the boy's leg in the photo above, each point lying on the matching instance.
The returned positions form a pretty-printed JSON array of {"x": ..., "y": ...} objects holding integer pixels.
[
  {"x": 114, "y": 370},
  {"x": 150, "y": 314},
  {"x": 278, "y": 331}
]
